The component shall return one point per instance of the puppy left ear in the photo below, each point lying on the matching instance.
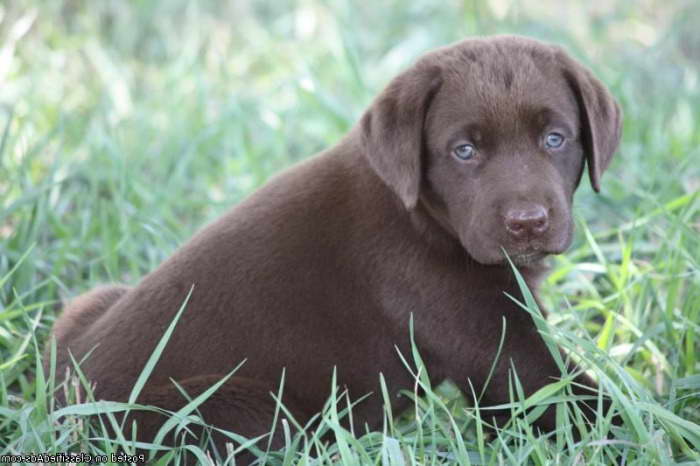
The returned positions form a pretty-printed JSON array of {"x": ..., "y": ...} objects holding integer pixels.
[
  {"x": 601, "y": 117},
  {"x": 392, "y": 130}
]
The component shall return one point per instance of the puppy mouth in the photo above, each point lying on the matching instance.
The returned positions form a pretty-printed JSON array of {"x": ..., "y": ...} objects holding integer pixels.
[
  {"x": 529, "y": 252},
  {"x": 489, "y": 252},
  {"x": 533, "y": 252},
  {"x": 527, "y": 257}
]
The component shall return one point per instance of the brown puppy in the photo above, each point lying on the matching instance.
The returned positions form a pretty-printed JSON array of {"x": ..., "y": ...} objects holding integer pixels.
[{"x": 476, "y": 148}]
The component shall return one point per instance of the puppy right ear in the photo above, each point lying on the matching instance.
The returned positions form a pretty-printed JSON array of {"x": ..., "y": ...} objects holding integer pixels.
[{"x": 392, "y": 130}]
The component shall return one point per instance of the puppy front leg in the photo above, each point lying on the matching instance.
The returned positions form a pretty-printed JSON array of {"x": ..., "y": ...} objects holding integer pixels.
[{"x": 525, "y": 351}]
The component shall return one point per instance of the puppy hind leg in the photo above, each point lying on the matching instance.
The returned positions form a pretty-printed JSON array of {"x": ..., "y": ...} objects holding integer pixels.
[{"x": 241, "y": 405}]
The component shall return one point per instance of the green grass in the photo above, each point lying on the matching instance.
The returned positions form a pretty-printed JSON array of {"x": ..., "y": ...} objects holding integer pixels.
[{"x": 125, "y": 126}]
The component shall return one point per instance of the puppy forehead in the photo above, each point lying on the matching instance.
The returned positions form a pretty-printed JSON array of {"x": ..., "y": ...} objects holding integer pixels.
[{"x": 503, "y": 81}]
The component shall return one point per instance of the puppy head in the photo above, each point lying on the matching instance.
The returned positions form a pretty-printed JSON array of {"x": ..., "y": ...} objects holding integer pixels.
[{"x": 491, "y": 135}]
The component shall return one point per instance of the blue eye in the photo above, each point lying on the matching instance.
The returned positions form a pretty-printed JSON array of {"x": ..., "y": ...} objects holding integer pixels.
[
  {"x": 464, "y": 151},
  {"x": 554, "y": 140}
]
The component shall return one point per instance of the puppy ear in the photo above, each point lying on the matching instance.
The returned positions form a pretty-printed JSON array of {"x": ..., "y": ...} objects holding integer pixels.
[
  {"x": 392, "y": 130},
  {"x": 601, "y": 118}
]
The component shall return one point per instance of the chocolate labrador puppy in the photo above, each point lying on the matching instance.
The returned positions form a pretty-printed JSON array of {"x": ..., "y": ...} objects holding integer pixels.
[{"x": 473, "y": 152}]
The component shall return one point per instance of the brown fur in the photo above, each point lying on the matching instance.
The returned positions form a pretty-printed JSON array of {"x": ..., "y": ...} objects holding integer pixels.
[{"x": 323, "y": 266}]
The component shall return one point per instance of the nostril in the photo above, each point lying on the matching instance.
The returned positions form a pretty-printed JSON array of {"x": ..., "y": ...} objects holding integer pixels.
[
  {"x": 516, "y": 227},
  {"x": 532, "y": 221},
  {"x": 540, "y": 225}
]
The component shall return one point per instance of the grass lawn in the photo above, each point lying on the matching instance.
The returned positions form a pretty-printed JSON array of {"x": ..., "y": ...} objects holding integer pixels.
[{"x": 127, "y": 125}]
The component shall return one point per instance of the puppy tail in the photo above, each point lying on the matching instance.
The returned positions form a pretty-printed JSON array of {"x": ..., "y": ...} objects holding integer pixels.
[{"x": 80, "y": 313}]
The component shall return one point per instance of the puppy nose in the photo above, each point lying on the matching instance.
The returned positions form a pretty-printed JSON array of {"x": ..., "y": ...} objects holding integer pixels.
[{"x": 528, "y": 221}]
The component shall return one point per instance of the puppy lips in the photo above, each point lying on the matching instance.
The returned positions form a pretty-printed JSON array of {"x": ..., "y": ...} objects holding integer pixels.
[
  {"x": 543, "y": 247},
  {"x": 488, "y": 250},
  {"x": 529, "y": 258}
]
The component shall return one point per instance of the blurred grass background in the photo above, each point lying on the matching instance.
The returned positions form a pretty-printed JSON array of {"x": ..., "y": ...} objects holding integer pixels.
[{"x": 126, "y": 125}]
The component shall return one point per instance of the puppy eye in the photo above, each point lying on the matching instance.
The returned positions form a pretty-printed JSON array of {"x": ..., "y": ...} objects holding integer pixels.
[
  {"x": 554, "y": 140},
  {"x": 464, "y": 151}
]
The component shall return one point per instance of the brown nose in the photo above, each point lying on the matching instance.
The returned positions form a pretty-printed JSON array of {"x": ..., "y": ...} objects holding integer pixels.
[{"x": 528, "y": 221}]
